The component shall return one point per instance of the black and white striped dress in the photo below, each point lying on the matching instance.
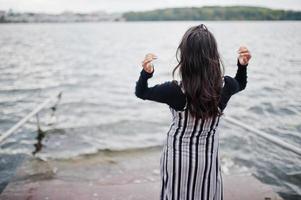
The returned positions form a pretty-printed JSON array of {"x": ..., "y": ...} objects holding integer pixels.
[{"x": 190, "y": 167}]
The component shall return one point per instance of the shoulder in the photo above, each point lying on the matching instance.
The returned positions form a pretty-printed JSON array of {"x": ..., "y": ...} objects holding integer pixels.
[
  {"x": 229, "y": 80},
  {"x": 173, "y": 87},
  {"x": 230, "y": 85},
  {"x": 176, "y": 96},
  {"x": 170, "y": 84}
]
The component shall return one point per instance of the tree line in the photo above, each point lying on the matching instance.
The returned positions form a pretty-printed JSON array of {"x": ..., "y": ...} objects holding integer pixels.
[{"x": 213, "y": 13}]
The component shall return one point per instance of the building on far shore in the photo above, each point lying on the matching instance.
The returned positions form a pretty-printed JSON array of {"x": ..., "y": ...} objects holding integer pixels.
[
  {"x": 2, "y": 15},
  {"x": 29, "y": 17}
]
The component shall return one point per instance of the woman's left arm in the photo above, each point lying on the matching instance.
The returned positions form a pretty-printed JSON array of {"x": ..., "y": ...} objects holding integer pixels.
[{"x": 168, "y": 92}]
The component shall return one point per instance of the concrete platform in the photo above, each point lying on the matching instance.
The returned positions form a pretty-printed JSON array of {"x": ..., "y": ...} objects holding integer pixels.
[
  {"x": 129, "y": 176},
  {"x": 236, "y": 188}
]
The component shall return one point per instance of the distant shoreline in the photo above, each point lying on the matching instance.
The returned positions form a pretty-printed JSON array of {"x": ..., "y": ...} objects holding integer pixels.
[
  {"x": 174, "y": 21},
  {"x": 214, "y": 13},
  {"x": 206, "y": 13}
]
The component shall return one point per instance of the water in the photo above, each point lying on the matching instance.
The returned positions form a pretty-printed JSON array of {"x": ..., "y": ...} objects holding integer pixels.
[{"x": 96, "y": 66}]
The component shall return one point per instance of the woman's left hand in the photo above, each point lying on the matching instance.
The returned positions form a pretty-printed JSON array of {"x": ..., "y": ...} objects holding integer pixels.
[{"x": 147, "y": 62}]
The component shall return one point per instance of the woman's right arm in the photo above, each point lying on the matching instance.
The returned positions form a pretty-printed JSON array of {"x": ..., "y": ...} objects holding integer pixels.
[{"x": 239, "y": 82}]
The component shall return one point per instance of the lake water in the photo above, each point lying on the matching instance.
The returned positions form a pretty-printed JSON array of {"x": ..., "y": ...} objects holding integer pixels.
[{"x": 96, "y": 65}]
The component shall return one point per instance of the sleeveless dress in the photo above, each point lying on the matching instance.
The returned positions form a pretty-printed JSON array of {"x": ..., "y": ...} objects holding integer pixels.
[{"x": 189, "y": 165}]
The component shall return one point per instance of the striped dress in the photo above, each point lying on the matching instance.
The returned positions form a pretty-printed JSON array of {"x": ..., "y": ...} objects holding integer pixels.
[{"x": 189, "y": 166}]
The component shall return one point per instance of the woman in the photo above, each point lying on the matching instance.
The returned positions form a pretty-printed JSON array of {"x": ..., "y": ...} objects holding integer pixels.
[{"x": 190, "y": 165}]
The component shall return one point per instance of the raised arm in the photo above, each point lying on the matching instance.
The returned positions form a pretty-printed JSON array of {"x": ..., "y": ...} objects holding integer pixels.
[
  {"x": 239, "y": 82},
  {"x": 168, "y": 92}
]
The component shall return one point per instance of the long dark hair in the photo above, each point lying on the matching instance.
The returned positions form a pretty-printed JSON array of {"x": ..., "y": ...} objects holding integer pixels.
[{"x": 201, "y": 71}]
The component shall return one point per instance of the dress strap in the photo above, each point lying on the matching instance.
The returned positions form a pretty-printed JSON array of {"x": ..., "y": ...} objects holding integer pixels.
[
  {"x": 182, "y": 89},
  {"x": 223, "y": 80}
]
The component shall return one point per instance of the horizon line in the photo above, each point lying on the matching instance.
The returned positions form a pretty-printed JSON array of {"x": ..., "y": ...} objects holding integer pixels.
[{"x": 142, "y": 10}]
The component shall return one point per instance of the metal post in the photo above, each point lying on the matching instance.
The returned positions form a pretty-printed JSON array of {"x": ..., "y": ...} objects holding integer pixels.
[
  {"x": 266, "y": 136},
  {"x": 27, "y": 117}
]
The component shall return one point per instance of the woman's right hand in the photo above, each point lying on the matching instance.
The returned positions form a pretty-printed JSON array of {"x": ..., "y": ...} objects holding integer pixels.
[
  {"x": 147, "y": 62},
  {"x": 244, "y": 55}
]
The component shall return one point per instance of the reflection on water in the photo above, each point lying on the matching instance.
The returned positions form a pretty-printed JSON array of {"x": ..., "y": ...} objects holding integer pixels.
[{"x": 96, "y": 66}]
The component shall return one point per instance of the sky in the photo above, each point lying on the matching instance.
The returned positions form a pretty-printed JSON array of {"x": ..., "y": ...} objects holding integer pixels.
[{"x": 57, "y": 6}]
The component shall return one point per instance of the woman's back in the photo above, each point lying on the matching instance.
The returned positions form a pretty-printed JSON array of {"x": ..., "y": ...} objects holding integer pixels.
[{"x": 190, "y": 165}]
